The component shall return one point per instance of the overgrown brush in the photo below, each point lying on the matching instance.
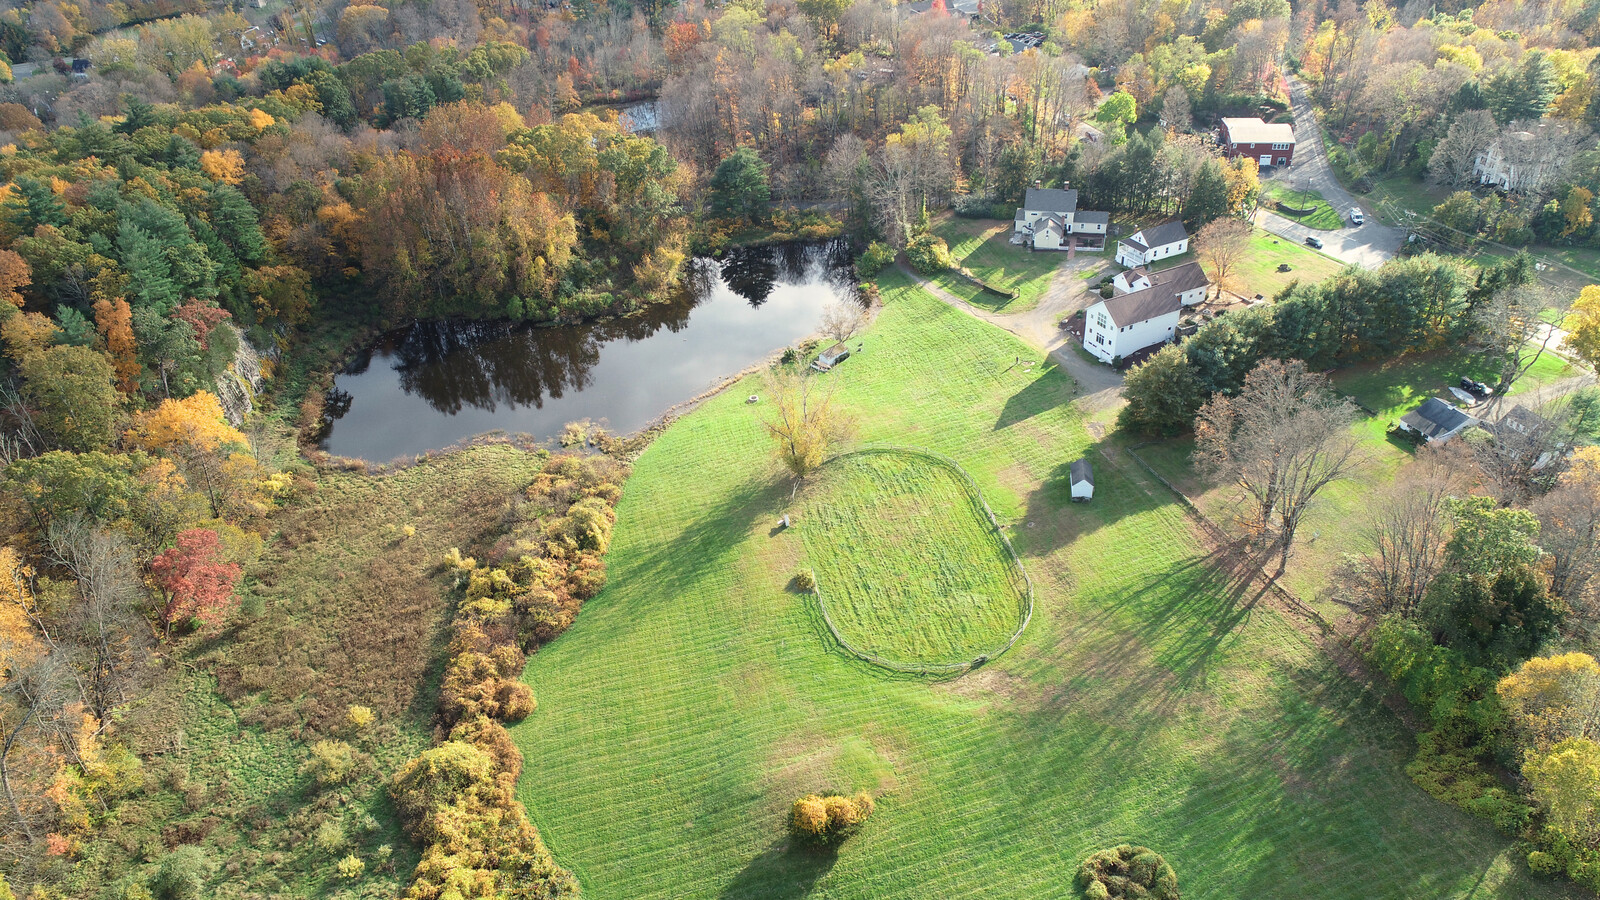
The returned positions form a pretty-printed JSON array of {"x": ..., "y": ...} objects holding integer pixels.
[{"x": 457, "y": 798}]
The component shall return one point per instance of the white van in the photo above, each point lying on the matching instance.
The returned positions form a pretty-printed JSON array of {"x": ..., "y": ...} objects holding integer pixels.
[{"x": 1356, "y": 216}]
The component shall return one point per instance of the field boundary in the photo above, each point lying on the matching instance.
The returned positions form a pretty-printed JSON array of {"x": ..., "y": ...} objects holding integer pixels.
[{"x": 1017, "y": 571}]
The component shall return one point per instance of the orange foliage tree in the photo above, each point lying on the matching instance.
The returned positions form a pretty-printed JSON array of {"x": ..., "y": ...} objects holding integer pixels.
[
  {"x": 193, "y": 583},
  {"x": 114, "y": 317},
  {"x": 14, "y": 273}
]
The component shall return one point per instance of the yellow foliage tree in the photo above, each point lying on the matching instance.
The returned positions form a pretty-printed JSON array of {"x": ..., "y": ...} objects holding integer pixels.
[
  {"x": 1583, "y": 325},
  {"x": 14, "y": 273},
  {"x": 114, "y": 317},
  {"x": 1554, "y": 698},
  {"x": 195, "y": 422},
  {"x": 1567, "y": 782},
  {"x": 226, "y": 166},
  {"x": 18, "y": 642}
]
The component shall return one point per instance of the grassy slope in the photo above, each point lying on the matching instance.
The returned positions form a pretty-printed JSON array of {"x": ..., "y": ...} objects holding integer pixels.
[
  {"x": 696, "y": 697},
  {"x": 1322, "y": 215},
  {"x": 984, "y": 247},
  {"x": 340, "y": 610},
  {"x": 911, "y": 568},
  {"x": 1331, "y": 528}
]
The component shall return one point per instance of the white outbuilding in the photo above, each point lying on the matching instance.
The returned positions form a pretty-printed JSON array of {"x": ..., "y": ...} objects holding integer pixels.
[{"x": 1082, "y": 478}]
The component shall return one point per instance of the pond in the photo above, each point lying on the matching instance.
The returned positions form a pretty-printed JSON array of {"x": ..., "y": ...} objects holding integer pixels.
[{"x": 434, "y": 384}]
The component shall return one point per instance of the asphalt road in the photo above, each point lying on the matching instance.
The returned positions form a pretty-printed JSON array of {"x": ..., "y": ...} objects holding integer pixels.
[{"x": 1369, "y": 245}]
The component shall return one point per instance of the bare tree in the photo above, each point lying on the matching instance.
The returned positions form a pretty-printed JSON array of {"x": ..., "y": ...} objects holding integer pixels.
[
  {"x": 1469, "y": 135},
  {"x": 1406, "y": 535},
  {"x": 841, "y": 320},
  {"x": 1175, "y": 109},
  {"x": 1512, "y": 333},
  {"x": 103, "y": 623},
  {"x": 1283, "y": 439},
  {"x": 1221, "y": 245},
  {"x": 1569, "y": 518}
]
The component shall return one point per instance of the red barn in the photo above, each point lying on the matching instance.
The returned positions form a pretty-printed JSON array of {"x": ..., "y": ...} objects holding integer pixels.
[{"x": 1269, "y": 145}]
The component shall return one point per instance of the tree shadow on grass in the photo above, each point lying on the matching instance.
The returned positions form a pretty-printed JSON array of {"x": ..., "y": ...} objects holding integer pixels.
[
  {"x": 1048, "y": 390},
  {"x": 1122, "y": 488},
  {"x": 785, "y": 870}
]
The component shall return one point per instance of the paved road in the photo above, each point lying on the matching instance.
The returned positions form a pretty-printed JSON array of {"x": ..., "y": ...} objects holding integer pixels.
[{"x": 1368, "y": 245}]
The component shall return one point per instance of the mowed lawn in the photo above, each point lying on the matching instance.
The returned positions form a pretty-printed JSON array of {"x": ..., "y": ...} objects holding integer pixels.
[
  {"x": 1319, "y": 214},
  {"x": 984, "y": 247},
  {"x": 1148, "y": 701},
  {"x": 1257, "y": 272},
  {"x": 907, "y": 561}
]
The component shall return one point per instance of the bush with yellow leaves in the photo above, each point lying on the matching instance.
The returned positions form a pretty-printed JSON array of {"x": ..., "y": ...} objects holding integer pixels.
[{"x": 828, "y": 819}]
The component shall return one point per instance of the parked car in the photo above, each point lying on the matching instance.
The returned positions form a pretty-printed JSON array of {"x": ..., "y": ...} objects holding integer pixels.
[
  {"x": 1314, "y": 242},
  {"x": 1357, "y": 217},
  {"x": 1476, "y": 388}
]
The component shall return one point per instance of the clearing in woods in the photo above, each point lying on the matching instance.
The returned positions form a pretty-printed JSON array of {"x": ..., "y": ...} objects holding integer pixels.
[
  {"x": 1151, "y": 700},
  {"x": 906, "y": 560}
]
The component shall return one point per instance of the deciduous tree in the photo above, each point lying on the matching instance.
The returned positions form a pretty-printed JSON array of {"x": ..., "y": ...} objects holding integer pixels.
[
  {"x": 803, "y": 422},
  {"x": 1221, "y": 246},
  {"x": 193, "y": 583},
  {"x": 1283, "y": 439}
]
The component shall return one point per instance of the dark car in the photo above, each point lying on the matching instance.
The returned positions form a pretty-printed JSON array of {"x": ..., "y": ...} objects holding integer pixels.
[
  {"x": 1314, "y": 242},
  {"x": 1475, "y": 388}
]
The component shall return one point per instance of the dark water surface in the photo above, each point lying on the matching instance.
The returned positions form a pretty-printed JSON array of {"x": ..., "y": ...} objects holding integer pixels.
[{"x": 435, "y": 383}]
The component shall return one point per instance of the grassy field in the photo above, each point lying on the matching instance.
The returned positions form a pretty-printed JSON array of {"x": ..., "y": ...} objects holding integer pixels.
[
  {"x": 984, "y": 247},
  {"x": 907, "y": 561},
  {"x": 1150, "y": 700},
  {"x": 1332, "y": 527},
  {"x": 1257, "y": 272},
  {"x": 1321, "y": 214}
]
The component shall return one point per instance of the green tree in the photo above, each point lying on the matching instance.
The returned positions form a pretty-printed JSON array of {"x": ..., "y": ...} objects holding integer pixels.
[
  {"x": 1116, "y": 113},
  {"x": 1208, "y": 199},
  {"x": 71, "y": 393},
  {"x": 60, "y": 485},
  {"x": 183, "y": 873},
  {"x": 1567, "y": 782},
  {"x": 1523, "y": 92},
  {"x": 33, "y": 204},
  {"x": 1163, "y": 394},
  {"x": 739, "y": 187}
]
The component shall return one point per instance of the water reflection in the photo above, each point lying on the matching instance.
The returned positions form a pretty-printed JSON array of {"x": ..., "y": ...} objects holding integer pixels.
[{"x": 433, "y": 384}]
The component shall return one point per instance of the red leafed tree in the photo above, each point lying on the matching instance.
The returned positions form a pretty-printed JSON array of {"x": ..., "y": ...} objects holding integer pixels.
[
  {"x": 193, "y": 582},
  {"x": 202, "y": 317}
]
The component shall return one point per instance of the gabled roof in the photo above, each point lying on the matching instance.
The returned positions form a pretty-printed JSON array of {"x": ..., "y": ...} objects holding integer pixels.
[
  {"x": 1180, "y": 279},
  {"x": 834, "y": 352},
  {"x": 1436, "y": 418},
  {"x": 1169, "y": 232},
  {"x": 1051, "y": 200},
  {"x": 1255, "y": 131},
  {"x": 1091, "y": 217},
  {"x": 1082, "y": 473},
  {"x": 1135, "y": 243},
  {"x": 1523, "y": 420},
  {"x": 1141, "y": 306}
]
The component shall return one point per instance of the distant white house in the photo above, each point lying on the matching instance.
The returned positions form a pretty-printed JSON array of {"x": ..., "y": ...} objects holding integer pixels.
[
  {"x": 1144, "y": 310},
  {"x": 1435, "y": 421},
  {"x": 1081, "y": 474},
  {"x": 1153, "y": 243},
  {"x": 1514, "y": 163},
  {"x": 1049, "y": 219}
]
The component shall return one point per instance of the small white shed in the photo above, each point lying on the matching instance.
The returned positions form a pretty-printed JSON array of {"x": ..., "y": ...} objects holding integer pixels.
[
  {"x": 831, "y": 357},
  {"x": 1082, "y": 478}
]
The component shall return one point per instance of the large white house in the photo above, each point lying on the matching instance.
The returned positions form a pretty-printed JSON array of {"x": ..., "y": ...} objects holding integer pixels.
[
  {"x": 1513, "y": 163},
  {"x": 1049, "y": 219},
  {"x": 1153, "y": 243},
  {"x": 1144, "y": 310}
]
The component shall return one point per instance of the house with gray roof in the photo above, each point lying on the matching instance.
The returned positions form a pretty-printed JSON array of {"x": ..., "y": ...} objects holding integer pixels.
[
  {"x": 1143, "y": 311},
  {"x": 1049, "y": 219},
  {"x": 1435, "y": 421},
  {"x": 1147, "y": 245}
]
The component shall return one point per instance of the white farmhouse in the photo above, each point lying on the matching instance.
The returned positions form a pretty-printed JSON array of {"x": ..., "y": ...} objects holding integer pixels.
[
  {"x": 1049, "y": 219},
  {"x": 1144, "y": 312},
  {"x": 1150, "y": 244}
]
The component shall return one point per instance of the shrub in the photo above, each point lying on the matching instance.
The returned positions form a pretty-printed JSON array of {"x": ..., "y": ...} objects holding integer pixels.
[
  {"x": 331, "y": 762},
  {"x": 359, "y": 717},
  {"x": 929, "y": 254},
  {"x": 351, "y": 866},
  {"x": 830, "y": 819},
  {"x": 1127, "y": 871},
  {"x": 805, "y": 580},
  {"x": 329, "y": 837},
  {"x": 183, "y": 873},
  {"x": 874, "y": 259},
  {"x": 1543, "y": 863}
]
